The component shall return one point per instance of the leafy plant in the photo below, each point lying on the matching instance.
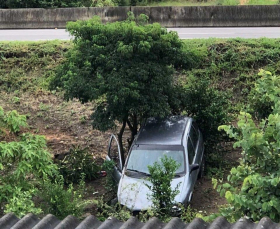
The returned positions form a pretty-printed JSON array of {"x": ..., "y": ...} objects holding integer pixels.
[
  {"x": 14, "y": 121},
  {"x": 23, "y": 163},
  {"x": 263, "y": 95},
  {"x": 21, "y": 203},
  {"x": 61, "y": 202},
  {"x": 77, "y": 163},
  {"x": 117, "y": 211},
  {"x": 161, "y": 175},
  {"x": 108, "y": 166},
  {"x": 259, "y": 166}
]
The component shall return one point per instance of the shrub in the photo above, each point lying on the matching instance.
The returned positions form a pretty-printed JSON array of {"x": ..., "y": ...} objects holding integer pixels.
[
  {"x": 108, "y": 166},
  {"x": 61, "y": 201},
  {"x": 77, "y": 163},
  {"x": 161, "y": 175},
  {"x": 23, "y": 163},
  {"x": 259, "y": 166},
  {"x": 22, "y": 203},
  {"x": 207, "y": 105},
  {"x": 117, "y": 211},
  {"x": 262, "y": 96}
]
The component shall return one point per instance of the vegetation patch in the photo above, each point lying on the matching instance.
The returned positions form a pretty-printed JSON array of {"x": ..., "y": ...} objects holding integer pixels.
[{"x": 226, "y": 69}]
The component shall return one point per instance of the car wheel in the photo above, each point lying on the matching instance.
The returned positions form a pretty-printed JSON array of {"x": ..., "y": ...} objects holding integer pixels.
[{"x": 202, "y": 169}]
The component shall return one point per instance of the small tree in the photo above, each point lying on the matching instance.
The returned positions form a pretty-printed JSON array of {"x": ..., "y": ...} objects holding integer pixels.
[
  {"x": 161, "y": 177},
  {"x": 125, "y": 67}
]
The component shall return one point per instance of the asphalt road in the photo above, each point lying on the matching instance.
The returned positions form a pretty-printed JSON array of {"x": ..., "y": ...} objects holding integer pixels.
[{"x": 184, "y": 33}]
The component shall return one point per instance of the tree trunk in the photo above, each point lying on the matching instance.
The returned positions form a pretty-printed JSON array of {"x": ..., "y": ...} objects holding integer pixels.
[
  {"x": 133, "y": 129},
  {"x": 120, "y": 135}
]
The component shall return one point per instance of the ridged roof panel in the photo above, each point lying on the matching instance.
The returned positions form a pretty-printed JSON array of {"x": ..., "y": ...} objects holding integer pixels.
[{"x": 10, "y": 221}]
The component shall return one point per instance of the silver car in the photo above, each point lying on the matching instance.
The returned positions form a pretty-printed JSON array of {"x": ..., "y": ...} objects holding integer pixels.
[{"x": 177, "y": 137}]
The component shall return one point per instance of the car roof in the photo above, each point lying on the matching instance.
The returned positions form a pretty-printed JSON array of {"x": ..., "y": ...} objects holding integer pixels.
[{"x": 163, "y": 131}]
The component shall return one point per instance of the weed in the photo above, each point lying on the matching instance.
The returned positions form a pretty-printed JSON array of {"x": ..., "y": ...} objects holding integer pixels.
[
  {"x": 16, "y": 100},
  {"x": 117, "y": 211},
  {"x": 39, "y": 114},
  {"x": 83, "y": 120},
  {"x": 44, "y": 107}
]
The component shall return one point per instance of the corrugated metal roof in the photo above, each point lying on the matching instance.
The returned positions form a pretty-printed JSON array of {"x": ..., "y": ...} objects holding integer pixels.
[{"x": 10, "y": 221}]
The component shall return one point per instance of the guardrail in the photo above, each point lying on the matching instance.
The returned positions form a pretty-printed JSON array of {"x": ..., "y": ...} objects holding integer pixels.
[{"x": 194, "y": 16}]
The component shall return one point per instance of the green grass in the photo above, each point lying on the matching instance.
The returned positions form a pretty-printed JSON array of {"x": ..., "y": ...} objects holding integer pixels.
[
  {"x": 27, "y": 66},
  {"x": 263, "y": 2},
  {"x": 183, "y": 3},
  {"x": 211, "y": 2},
  {"x": 232, "y": 64}
]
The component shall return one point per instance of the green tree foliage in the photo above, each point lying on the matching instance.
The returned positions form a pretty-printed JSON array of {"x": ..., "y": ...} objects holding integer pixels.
[
  {"x": 126, "y": 67},
  {"x": 253, "y": 186},
  {"x": 58, "y": 3},
  {"x": 161, "y": 175}
]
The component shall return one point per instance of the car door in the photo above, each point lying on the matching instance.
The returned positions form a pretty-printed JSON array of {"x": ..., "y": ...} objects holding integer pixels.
[
  {"x": 193, "y": 153},
  {"x": 114, "y": 154},
  {"x": 198, "y": 143}
]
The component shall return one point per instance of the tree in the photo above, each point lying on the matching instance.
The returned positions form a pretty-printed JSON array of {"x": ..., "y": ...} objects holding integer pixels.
[{"x": 125, "y": 67}]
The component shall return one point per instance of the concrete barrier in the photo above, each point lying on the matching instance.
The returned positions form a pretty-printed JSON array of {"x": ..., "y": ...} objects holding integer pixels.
[{"x": 195, "y": 16}]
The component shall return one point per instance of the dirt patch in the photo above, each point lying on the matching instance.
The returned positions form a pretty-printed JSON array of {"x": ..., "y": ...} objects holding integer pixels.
[
  {"x": 205, "y": 197},
  {"x": 243, "y": 2}
]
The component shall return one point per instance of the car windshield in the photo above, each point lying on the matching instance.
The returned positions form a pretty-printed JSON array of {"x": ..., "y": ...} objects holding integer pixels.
[{"x": 139, "y": 159}]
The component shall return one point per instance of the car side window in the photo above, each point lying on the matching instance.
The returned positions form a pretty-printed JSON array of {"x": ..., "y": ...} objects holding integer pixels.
[
  {"x": 191, "y": 151},
  {"x": 194, "y": 136}
]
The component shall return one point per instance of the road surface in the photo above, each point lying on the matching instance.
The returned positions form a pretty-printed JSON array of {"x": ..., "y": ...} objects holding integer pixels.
[{"x": 184, "y": 33}]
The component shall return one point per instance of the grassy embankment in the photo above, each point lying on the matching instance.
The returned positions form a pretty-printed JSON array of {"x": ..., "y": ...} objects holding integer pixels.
[{"x": 26, "y": 67}]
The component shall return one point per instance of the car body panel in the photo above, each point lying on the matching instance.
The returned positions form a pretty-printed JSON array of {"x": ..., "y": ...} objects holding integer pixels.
[
  {"x": 134, "y": 194},
  {"x": 172, "y": 131}
]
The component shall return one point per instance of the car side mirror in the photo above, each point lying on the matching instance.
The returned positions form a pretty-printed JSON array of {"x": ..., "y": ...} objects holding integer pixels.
[{"x": 194, "y": 167}]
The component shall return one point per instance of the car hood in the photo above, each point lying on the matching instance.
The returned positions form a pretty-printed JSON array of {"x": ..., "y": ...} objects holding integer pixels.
[{"x": 134, "y": 194}]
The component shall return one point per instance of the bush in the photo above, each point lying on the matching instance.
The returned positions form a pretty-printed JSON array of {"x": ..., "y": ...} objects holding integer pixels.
[
  {"x": 207, "y": 105},
  {"x": 108, "y": 166},
  {"x": 262, "y": 96},
  {"x": 23, "y": 163},
  {"x": 77, "y": 163},
  {"x": 259, "y": 166},
  {"x": 117, "y": 211},
  {"x": 22, "y": 203},
  {"x": 61, "y": 202}
]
